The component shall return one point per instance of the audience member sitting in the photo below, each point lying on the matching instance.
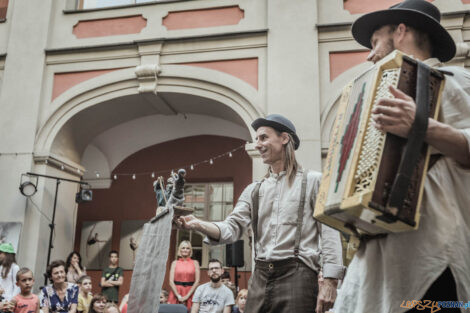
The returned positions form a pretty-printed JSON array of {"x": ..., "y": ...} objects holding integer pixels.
[
  {"x": 25, "y": 301},
  {"x": 111, "y": 308},
  {"x": 213, "y": 296},
  {"x": 97, "y": 303},
  {"x": 84, "y": 296},
  {"x": 225, "y": 279},
  {"x": 60, "y": 296},
  {"x": 240, "y": 302},
  {"x": 163, "y": 296},
  {"x": 74, "y": 267}
]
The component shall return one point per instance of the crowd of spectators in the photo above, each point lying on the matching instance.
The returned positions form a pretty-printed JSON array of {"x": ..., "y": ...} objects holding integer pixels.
[{"x": 70, "y": 288}]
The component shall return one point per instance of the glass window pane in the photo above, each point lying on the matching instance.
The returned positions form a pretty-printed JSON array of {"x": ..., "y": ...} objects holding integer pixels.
[
  {"x": 182, "y": 235},
  {"x": 199, "y": 193},
  {"x": 228, "y": 192},
  {"x": 196, "y": 240},
  {"x": 216, "y": 212},
  {"x": 188, "y": 197},
  {"x": 90, "y": 4},
  {"x": 228, "y": 208},
  {"x": 197, "y": 255},
  {"x": 199, "y": 210},
  {"x": 215, "y": 192}
]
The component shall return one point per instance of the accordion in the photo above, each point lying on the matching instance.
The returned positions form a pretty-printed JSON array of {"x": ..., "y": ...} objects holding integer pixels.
[{"x": 373, "y": 181}]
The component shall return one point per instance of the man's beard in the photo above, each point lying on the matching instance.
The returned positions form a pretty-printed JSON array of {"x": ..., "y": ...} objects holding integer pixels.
[{"x": 215, "y": 279}]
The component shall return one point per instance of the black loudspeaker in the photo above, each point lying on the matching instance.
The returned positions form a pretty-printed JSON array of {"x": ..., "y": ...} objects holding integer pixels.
[{"x": 234, "y": 254}]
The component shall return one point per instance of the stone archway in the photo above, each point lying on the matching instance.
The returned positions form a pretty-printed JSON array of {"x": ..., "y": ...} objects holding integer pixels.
[{"x": 83, "y": 112}]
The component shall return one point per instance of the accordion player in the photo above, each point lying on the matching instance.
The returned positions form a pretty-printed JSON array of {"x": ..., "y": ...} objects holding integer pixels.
[{"x": 373, "y": 181}]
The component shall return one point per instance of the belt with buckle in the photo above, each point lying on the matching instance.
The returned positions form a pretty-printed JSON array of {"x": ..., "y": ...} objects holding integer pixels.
[{"x": 271, "y": 265}]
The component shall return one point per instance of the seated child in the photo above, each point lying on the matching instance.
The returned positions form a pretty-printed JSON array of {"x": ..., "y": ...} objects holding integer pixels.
[
  {"x": 25, "y": 301},
  {"x": 111, "y": 308},
  {"x": 164, "y": 296},
  {"x": 84, "y": 296}
]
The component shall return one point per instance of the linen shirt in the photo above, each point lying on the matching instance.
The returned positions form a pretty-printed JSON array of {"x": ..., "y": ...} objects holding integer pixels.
[
  {"x": 320, "y": 245},
  {"x": 402, "y": 266}
]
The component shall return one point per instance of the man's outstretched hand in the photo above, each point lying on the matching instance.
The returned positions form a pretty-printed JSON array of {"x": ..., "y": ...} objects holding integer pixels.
[{"x": 189, "y": 222}]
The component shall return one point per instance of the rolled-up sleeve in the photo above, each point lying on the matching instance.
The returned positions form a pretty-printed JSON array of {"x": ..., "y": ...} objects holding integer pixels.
[
  {"x": 332, "y": 253},
  {"x": 232, "y": 228}
]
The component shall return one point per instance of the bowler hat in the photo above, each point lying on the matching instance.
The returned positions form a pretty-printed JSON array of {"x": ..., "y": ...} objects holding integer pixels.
[
  {"x": 7, "y": 248},
  {"x": 279, "y": 123},
  {"x": 418, "y": 14}
]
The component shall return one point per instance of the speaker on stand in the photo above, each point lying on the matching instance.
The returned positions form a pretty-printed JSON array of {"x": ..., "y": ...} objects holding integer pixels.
[{"x": 234, "y": 257}]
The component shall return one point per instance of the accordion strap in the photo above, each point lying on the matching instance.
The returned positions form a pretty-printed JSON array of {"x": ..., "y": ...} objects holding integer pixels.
[{"x": 412, "y": 150}]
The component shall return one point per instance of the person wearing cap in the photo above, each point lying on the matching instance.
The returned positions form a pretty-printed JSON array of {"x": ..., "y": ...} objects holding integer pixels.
[
  {"x": 432, "y": 262},
  {"x": 290, "y": 247},
  {"x": 8, "y": 270}
]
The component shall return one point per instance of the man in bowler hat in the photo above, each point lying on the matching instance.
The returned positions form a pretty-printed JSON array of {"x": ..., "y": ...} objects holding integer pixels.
[
  {"x": 433, "y": 262},
  {"x": 288, "y": 242}
]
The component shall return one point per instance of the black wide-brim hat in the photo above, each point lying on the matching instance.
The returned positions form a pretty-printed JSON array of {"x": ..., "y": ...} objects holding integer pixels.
[
  {"x": 279, "y": 123},
  {"x": 418, "y": 14}
]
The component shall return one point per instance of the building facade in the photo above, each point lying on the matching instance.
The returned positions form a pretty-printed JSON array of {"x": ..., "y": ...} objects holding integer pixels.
[{"x": 118, "y": 93}]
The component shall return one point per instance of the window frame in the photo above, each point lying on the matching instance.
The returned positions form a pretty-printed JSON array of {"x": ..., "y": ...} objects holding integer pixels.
[
  {"x": 79, "y": 5},
  {"x": 206, "y": 216}
]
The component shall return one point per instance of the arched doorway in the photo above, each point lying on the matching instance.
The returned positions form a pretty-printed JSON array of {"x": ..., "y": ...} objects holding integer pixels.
[{"x": 99, "y": 123}]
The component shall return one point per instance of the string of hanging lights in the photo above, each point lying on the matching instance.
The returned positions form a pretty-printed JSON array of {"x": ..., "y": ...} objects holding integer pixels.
[{"x": 190, "y": 166}]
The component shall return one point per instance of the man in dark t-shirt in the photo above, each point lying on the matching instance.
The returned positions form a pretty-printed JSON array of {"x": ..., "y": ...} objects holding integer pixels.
[{"x": 112, "y": 278}]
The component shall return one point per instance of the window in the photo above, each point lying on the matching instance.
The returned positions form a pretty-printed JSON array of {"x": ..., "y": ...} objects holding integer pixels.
[
  {"x": 212, "y": 202},
  {"x": 92, "y": 4}
]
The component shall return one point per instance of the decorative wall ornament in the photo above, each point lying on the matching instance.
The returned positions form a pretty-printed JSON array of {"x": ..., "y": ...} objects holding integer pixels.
[
  {"x": 463, "y": 49},
  {"x": 147, "y": 74},
  {"x": 202, "y": 18},
  {"x": 123, "y": 25}
]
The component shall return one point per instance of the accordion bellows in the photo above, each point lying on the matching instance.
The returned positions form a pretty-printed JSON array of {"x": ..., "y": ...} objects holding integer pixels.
[{"x": 362, "y": 161}]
